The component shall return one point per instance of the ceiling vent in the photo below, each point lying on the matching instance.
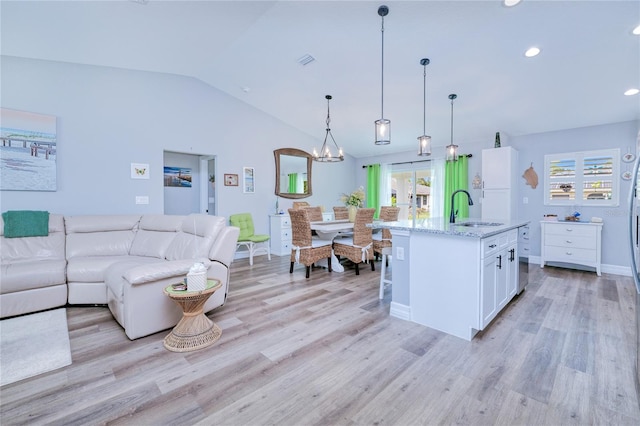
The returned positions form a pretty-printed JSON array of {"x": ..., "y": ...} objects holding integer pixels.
[{"x": 306, "y": 59}]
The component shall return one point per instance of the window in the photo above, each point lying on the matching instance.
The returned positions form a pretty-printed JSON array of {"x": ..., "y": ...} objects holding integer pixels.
[{"x": 582, "y": 178}]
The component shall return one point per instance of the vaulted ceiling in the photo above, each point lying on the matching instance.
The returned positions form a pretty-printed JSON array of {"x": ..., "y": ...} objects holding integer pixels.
[{"x": 250, "y": 50}]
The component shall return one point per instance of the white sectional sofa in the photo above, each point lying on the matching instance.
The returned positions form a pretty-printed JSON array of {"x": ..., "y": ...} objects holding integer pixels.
[{"x": 123, "y": 261}]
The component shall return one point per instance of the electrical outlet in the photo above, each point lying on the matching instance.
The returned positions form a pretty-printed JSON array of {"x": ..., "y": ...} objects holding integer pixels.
[
  {"x": 525, "y": 200},
  {"x": 400, "y": 253},
  {"x": 142, "y": 199}
]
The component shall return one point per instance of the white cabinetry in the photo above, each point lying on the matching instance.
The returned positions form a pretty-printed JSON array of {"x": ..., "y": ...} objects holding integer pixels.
[
  {"x": 499, "y": 183},
  {"x": 280, "y": 232},
  {"x": 456, "y": 284},
  {"x": 571, "y": 242},
  {"x": 499, "y": 274}
]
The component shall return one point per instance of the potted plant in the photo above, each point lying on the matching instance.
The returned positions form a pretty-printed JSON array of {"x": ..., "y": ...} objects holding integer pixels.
[{"x": 212, "y": 179}]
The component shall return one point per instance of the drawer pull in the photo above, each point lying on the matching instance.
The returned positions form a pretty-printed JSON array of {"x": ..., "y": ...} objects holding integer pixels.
[
  {"x": 569, "y": 253},
  {"x": 492, "y": 246},
  {"x": 569, "y": 230},
  {"x": 569, "y": 242}
]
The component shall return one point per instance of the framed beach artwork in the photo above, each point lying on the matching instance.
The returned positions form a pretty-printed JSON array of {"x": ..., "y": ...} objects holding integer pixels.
[
  {"x": 177, "y": 176},
  {"x": 28, "y": 151},
  {"x": 248, "y": 180}
]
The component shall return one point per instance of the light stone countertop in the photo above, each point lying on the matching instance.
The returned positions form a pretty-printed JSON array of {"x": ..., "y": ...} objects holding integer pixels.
[{"x": 442, "y": 226}]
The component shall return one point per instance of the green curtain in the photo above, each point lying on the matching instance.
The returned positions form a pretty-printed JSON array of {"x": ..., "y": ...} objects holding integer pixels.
[
  {"x": 456, "y": 176},
  {"x": 373, "y": 188},
  {"x": 293, "y": 183}
]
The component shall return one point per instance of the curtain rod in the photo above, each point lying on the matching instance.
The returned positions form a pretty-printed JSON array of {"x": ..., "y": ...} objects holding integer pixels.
[{"x": 417, "y": 161}]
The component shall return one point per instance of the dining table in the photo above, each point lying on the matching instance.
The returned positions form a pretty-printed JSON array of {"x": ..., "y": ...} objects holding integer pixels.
[{"x": 328, "y": 230}]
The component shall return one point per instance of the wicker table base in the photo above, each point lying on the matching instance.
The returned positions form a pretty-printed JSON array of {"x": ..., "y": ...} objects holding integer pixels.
[{"x": 194, "y": 331}]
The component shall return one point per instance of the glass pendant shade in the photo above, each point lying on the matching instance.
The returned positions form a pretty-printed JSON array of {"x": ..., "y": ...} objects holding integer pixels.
[
  {"x": 452, "y": 153},
  {"x": 383, "y": 131},
  {"x": 424, "y": 145},
  {"x": 328, "y": 154}
]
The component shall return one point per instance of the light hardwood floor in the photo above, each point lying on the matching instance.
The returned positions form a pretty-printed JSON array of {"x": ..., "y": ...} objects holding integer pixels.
[{"x": 324, "y": 351}]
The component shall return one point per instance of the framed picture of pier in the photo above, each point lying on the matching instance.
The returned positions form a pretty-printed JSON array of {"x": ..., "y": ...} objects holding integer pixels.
[
  {"x": 28, "y": 151},
  {"x": 177, "y": 176}
]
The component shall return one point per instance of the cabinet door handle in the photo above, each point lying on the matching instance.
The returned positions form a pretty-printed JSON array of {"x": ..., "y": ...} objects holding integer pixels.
[
  {"x": 492, "y": 246},
  {"x": 512, "y": 255},
  {"x": 499, "y": 262}
]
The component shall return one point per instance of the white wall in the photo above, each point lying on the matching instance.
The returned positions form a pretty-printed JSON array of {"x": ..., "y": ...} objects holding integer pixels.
[{"x": 108, "y": 118}]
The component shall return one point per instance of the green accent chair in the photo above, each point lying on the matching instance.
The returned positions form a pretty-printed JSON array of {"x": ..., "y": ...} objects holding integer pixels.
[{"x": 255, "y": 243}]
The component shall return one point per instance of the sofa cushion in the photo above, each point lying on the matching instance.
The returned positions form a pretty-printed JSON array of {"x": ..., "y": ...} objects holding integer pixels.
[
  {"x": 50, "y": 247},
  {"x": 100, "y": 223},
  {"x": 91, "y": 269},
  {"x": 95, "y": 235},
  {"x": 114, "y": 274},
  {"x": 155, "y": 234},
  {"x": 196, "y": 237},
  {"x": 27, "y": 274}
]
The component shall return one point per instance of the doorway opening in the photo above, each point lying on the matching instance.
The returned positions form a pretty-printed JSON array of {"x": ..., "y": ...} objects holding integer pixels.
[{"x": 189, "y": 183}]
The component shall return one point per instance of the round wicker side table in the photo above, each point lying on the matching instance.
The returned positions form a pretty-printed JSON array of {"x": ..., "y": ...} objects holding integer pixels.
[{"x": 194, "y": 331}]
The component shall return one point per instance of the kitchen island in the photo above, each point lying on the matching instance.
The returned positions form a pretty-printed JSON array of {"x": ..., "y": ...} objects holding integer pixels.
[{"x": 454, "y": 277}]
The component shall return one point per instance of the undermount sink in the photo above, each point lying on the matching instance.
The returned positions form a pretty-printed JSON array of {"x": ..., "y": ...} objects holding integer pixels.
[{"x": 478, "y": 224}]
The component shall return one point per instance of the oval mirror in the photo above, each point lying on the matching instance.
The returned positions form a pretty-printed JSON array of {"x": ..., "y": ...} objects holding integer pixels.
[{"x": 293, "y": 173}]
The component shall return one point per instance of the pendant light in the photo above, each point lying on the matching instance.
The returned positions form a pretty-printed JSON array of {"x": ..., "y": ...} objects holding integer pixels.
[
  {"x": 424, "y": 141},
  {"x": 452, "y": 150},
  {"x": 383, "y": 126},
  {"x": 327, "y": 154}
]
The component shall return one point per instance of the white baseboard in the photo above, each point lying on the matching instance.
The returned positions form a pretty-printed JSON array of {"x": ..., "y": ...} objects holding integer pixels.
[
  {"x": 605, "y": 268},
  {"x": 400, "y": 311}
]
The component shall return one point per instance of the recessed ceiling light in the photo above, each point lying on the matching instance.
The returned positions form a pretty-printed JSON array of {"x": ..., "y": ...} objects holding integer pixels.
[
  {"x": 636, "y": 30},
  {"x": 531, "y": 52},
  {"x": 632, "y": 92},
  {"x": 510, "y": 3}
]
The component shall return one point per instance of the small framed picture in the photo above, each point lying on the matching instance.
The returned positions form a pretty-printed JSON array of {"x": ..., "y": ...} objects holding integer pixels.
[
  {"x": 248, "y": 180},
  {"x": 230, "y": 179},
  {"x": 139, "y": 171}
]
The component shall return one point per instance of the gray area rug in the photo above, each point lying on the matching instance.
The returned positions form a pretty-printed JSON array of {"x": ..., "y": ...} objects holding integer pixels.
[{"x": 33, "y": 344}]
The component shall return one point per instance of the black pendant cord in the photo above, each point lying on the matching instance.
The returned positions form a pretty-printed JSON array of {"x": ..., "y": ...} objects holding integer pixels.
[
  {"x": 424, "y": 101},
  {"x": 382, "y": 72}
]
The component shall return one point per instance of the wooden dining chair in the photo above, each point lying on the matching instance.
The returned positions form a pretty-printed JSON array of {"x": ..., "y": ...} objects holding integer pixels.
[
  {"x": 300, "y": 204},
  {"x": 314, "y": 213},
  {"x": 382, "y": 243},
  {"x": 340, "y": 213},
  {"x": 304, "y": 248},
  {"x": 359, "y": 248}
]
